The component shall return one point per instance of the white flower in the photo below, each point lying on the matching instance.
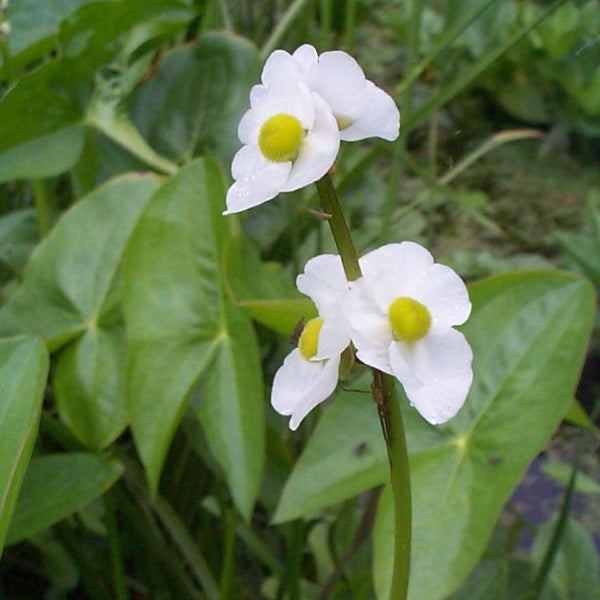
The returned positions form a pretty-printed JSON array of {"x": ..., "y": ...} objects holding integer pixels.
[
  {"x": 361, "y": 109},
  {"x": 309, "y": 374},
  {"x": 401, "y": 313},
  {"x": 290, "y": 137}
]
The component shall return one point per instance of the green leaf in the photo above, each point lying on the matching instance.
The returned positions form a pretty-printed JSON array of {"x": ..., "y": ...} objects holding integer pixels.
[
  {"x": 90, "y": 36},
  {"x": 502, "y": 577},
  {"x": 70, "y": 294},
  {"x": 18, "y": 237},
  {"x": 585, "y": 251},
  {"x": 68, "y": 280},
  {"x": 23, "y": 372},
  {"x": 576, "y": 415},
  {"x": 528, "y": 331},
  {"x": 34, "y": 27},
  {"x": 561, "y": 472},
  {"x": 231, "y": 408},
  {"x": 55, "y": 486},
  {"x": 88, "y": 380},
  {"x": 574, "y": 570},
  {"x": 179, "y": 325},
  {"x": 47, "y": 138},
  {"x": 263, "y": 289},
  {"x": 345, "y": 455},
  {"x": 196, "y": 98}
]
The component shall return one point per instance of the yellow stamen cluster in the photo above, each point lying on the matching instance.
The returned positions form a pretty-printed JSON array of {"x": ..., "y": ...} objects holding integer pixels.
[
  {"x": 410, "y": 320},
  {"x": 309, "y": 340},
  {"x": 280, "y": 137}
]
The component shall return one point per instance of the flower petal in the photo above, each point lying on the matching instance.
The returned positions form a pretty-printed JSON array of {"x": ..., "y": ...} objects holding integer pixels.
[
  {"x": 306, "y": 56},
  {"x": 279, "y": 69},
  {"x": 370, "y": 327},
  {"x": 300, "y": 385},
  {"x": 257, "y": 179},
  {"x": 443, "y": 365},
  {"x": 445, "y": 294},
  {"x": 405, "y": 258},
  {"x": 323, "y": 280},
  {"x": 248, "y": 127},
  {"x": 318, "y": 151},
  {"x": 401, "y": 369},
  {"x": 338, "y": 78},
  {"x": 334, "y": 336},
  {"x": 380, "y": 118},
  {"x": 288, "y": 96},
  {"x": 378, "y": 359}
]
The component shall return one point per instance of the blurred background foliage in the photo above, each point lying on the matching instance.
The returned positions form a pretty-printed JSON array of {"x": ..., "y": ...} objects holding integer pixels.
[{"x": 105, "y": 108}]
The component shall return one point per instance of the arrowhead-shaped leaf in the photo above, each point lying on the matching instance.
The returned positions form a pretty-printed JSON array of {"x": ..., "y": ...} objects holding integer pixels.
[
  {"x": 70, "y": 295},
  {"x": 180, "y": 324},
  {"x": 196, "y": 97},
  {"x": 529, "y": 333}
]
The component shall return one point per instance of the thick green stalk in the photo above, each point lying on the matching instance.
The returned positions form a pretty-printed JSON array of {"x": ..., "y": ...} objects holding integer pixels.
[
  {"x": 384, "y": 393},
  {"x": 339, "y": 227},
  {"x": 388, "y": 408}
]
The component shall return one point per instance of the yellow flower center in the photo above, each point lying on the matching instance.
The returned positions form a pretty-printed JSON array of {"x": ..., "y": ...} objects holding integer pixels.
[
  {"x": 410, "y": 320},
  {"x": 309, "y": 340},
  {"x": 280, "y": 137}
]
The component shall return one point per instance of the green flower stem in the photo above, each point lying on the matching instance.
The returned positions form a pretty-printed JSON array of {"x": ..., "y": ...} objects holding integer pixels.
[
  {"x": 339, "y": 227},
  {"x": 388, "y": 407}
]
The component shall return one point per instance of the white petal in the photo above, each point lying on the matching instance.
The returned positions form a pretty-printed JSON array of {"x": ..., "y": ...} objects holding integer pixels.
[
  {"x": 323, "y": 280},
  {"x": 319, "y": 149},
  {"x": 299, "y": 385},
  {"x": 280, "y": 68},
  {"x": 443, "y": 365},
  {"x": 380, "y": 118},
  {"x": 248, "y": 127},
  {"x": 445, "y": 294},
  {"x": 406, "y": 258},
  {"x": 334, "y": 336},
  {"x": 398, "y": 353},
  {"x": 338, "y": 78},
  {"x": 370, "y": 327},
  {"x": 386, "y": 286},
  {"x": 378, "y": 359},
  {"x": 257, "y": 179},
  {"x": 306, "y": 56},
  {"x": 290, "y": 96}
]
